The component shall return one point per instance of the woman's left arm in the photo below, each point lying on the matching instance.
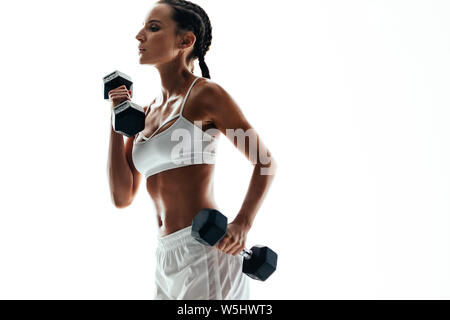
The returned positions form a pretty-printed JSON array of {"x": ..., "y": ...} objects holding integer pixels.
[{"x": 226, "y": 115}]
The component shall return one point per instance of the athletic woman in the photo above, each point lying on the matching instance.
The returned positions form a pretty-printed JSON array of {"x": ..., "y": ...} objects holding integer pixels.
[{"x": 175, "y": 33}]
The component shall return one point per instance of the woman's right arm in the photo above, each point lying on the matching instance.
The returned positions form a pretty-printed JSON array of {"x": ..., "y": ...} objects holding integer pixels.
[{"x": 123, "y": 177}]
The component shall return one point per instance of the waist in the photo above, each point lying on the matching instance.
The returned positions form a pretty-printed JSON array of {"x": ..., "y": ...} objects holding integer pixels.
[
  {"x": 171, "y": 221},
  {"x": 175, "y": 239}
]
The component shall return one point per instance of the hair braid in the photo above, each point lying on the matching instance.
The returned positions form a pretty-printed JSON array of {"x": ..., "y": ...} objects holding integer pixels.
[{"x": 192, "y": 17}]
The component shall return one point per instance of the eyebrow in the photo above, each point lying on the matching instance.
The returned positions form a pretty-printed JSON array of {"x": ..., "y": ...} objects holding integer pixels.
[{"x": 154, "y": 21}]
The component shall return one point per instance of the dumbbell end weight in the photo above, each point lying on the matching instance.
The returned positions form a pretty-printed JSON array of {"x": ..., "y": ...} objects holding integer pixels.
[
  {"x": 209, "y": 227},
  {"x": 261, "y": 264},
  {"x": 128, "y": 119},
  {"x": 115, "y": 80}
]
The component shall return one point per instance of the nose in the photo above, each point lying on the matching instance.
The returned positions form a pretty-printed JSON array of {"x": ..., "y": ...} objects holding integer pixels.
[{"x": 139, "y": 36}]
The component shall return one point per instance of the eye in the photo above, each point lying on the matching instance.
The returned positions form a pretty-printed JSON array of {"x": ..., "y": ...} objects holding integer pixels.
[{"x": 154, "y": 28}]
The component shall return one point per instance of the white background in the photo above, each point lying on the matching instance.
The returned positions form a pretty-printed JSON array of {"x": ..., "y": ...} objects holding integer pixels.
[{"x": 351, "y": 98}]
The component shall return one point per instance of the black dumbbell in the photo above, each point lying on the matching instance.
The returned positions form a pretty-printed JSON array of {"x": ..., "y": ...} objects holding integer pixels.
[
  {"x": 128, "y": 117},
  {"x": 210, "y": 226}
]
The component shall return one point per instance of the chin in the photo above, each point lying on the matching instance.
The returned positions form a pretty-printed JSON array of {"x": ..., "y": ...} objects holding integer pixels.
[{"x": 143, "y": 62}]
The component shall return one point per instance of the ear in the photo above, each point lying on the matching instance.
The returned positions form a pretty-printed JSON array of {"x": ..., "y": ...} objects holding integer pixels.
[{"x": 188, "y": 40}]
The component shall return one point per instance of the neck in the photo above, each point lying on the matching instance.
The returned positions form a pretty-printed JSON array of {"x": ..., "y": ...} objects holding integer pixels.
[{"x": 175, "y": 77}]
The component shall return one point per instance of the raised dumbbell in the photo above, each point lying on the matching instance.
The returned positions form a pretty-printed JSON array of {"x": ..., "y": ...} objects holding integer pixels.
[
  {"x": 209, "y": 226},
  {"x": 128, "y": 117}
]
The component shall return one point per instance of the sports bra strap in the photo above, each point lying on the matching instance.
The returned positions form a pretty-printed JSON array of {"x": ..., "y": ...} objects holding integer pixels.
[
  {"x": 187, "y": 95},
  {"x": 173, "y": 118}
]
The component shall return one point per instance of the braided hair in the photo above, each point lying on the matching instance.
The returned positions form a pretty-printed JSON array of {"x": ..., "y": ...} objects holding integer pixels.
[{"x": 192, "y": 17}]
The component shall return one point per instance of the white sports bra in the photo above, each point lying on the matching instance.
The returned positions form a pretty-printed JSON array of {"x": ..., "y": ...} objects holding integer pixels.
[{"x": 182, "y": 144}]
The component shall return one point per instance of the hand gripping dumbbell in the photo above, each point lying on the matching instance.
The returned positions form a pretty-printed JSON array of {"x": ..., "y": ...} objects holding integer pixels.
[
  {"x": 210, "y": 226},
  {"x": 128, "y": 117}
]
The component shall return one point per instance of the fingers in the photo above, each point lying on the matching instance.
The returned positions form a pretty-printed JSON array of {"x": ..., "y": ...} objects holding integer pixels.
[
  {"x": 224, "y": 242},
  {"x": 230, "y": 246},
  {"x": 236, "y": 249},
  {"x": 119, "y": 95},
  {"x": 119, "y": 91}
]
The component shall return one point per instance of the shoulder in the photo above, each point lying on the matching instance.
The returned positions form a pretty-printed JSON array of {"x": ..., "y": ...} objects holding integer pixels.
[
  {"x": 211, "y": 96},
  {"x": 207, "y": 88},
  {"x": 219, "y": 106}
]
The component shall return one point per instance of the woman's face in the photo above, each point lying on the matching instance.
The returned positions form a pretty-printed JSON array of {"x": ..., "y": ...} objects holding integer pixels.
[{"x": 157, "y": 37}]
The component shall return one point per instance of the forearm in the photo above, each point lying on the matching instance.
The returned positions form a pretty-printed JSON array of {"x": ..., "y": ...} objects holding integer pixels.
[
  {"x": 119, "y": 172},
  {"x": 260, "y": 183}
]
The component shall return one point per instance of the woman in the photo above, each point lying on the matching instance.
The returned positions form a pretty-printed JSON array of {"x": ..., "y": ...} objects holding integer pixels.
[{"x": 176, "y": 33}]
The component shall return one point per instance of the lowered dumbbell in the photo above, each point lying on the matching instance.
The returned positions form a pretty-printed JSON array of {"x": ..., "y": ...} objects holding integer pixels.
[
  {"x": 128, "y": 117},
  {"x": 210, "y": 226}
]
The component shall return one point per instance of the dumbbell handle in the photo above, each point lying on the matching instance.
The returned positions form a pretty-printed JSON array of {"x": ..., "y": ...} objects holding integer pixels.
[{"x": 247, "y": 254}]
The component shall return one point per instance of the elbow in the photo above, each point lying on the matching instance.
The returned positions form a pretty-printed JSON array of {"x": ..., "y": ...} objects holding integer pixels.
[
  {"x": 121, "y": 205},
  {"x": 120, "y": 187},
  {"x": 121, "y": 202},
  {"x": 268, "y": 169},
  {"x": 275, "y": 167}
]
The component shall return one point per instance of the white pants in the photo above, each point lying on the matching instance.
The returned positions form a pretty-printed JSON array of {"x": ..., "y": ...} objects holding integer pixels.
[{"x": 189, "y": 270}]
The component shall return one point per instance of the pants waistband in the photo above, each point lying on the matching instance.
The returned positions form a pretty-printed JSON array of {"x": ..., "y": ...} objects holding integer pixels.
[{"x": 175, "y": 239}]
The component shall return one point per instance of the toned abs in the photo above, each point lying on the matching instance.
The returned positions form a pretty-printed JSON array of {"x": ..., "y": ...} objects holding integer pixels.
[{"x": 179, "y": 194}]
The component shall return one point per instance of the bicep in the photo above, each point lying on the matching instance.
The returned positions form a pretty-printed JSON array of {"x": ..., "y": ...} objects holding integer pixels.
[{"x": 137, "y": 177}]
